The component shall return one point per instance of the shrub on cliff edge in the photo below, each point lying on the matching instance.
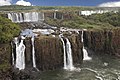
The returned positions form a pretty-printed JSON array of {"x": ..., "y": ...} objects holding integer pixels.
[{"x": 7, "y": 30}]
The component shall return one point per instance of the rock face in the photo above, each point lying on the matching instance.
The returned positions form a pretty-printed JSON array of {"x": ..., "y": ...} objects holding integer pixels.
[
  {"x": 103, "y": 41},
  {"x": 49, "y": 52},
  {"x": 5, "y": 58},
  {"x": 49, "y": 55},
  {"x": 28, "y": 53},
  {"x": 76, "y": 48}
]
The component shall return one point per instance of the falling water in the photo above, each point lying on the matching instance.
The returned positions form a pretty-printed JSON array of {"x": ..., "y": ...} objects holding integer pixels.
[
  {"x": 21, "y": 18},
  {"x": 33, "y": 53},
  {"x": 85, "y": 53},
  {"x": 12, "y": 54},
  {"x": 68, "y": 61},
  {"x": 20, "y": 56},
  {"x": 65, "y": 65},
  {"x": 17, "y": 17},
  {"x": 26, "y": 17},
  {"x": 10, "y": 16},
  {"x": 69, "y": 55},
  {"x": 54, "y": 15},
  {"x": 29, "y": 33}
]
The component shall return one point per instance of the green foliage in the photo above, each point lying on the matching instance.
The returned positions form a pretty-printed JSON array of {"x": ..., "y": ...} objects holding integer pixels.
[
  {"x": 110, "y": 18},
  {"x": 76, "y": 21},
  {"x": 63, "y": 8},
  {"x": 7, "y": 30}
]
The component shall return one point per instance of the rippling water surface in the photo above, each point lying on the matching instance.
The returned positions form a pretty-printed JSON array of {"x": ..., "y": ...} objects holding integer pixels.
[{"x": 101, "y": 67}]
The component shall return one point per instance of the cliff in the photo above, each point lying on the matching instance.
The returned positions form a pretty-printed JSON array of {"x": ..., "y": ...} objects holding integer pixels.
[
  {"x": 103, "y": 41},
  {"x": 49, "y": 52}
]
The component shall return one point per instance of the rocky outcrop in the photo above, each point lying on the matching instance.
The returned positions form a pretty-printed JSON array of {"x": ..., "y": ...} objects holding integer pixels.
[
  {"x": 103, "y": 41},
  {"x": 49, "y": 55},
  {"x": 59, "y": 15},
  {"x": 49, "y": 51},
  {"x": 76, "y": 48},
  {"x": 28, "y": 53}
]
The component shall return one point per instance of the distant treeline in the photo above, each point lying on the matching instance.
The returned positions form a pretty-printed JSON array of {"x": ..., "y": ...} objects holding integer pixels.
[
  {"x": 37, "y": 8},
  {"x": 96, "y": 21}
]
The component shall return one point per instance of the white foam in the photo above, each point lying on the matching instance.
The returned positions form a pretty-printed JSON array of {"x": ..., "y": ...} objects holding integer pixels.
[{"x": 44, "y": 31}]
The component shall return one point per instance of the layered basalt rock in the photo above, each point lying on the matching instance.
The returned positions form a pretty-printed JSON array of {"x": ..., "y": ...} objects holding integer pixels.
[
  {"x": 115, "y": 41},
  {"x": 28, "y": 53},
  {"x": 103, "y": 41},
  {"x": 77, "y": 46},
  {"x": 49, "y": 52}
]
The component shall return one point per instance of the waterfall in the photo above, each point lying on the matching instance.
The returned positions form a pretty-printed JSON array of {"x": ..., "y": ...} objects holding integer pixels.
[
  {"x": 20, "y": 56},
  {"x": 17, "y": 17},
  {"x": 69, "y": 55},
  {"x": 54, "y": 15},
  {"x": 29, "y": 33},
  {"x": 26, "y": 17},
  {"x": 21, "y": 18},
  {"x": 85, "y": 53},
  {"x": 68, "y": 61},
  {"x": 20, "y": 50},
  {"x": 33, "y": 53},
  {"x": 12, "y": 54},
  {"x": 65, "y": 65}
]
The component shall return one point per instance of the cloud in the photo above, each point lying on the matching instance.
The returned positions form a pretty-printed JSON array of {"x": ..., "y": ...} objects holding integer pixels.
[
  {"x": 5, "y": 2},
  {"x": 110, "y": 4},
  {"x": 24, "y": 3}
]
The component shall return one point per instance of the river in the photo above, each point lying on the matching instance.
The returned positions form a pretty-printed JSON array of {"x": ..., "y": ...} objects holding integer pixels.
[{"x": 101, "y": 67}]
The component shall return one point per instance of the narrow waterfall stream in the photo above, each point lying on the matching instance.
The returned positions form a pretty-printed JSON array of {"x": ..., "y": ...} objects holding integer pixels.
[
  {"x": 65, "y": 65},
  {"x": 33, "y": 53},
  {"x": 20, "y": 56},
  {"x": 85, "y": 53},
  {"x": 69, "y": 55},
  {"x": 12, "y": 54},
  {"x": 68, "y": 60}
]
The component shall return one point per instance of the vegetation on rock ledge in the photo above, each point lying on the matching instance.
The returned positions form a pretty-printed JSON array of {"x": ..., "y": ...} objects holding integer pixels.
[
  {"x": 8, "y": 30},
  {"x": 96, "y": 21}
]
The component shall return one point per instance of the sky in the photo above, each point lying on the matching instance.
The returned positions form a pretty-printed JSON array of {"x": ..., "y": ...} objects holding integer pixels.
[
  {"x": 71, "y": 2},
  {"x": 67, "y": 2}
]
